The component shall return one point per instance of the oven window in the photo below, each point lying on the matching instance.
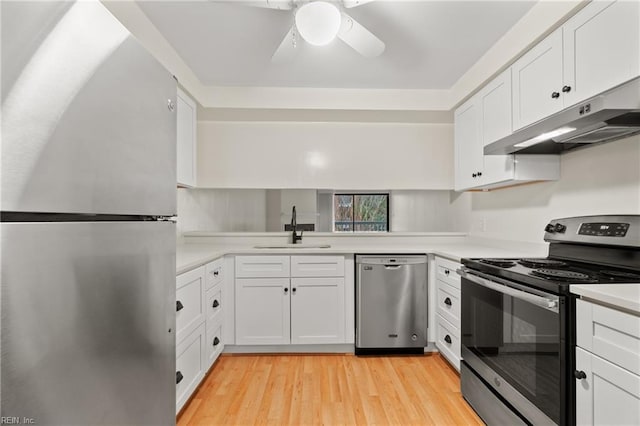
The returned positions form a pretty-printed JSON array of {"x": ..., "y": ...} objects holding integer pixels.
[{"x": 518, "y": 340}]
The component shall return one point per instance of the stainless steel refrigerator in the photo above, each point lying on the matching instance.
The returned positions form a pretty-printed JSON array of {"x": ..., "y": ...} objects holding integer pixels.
[{"x": 88, "y": 243}]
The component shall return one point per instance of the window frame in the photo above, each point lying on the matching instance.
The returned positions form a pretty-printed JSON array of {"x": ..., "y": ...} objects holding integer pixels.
[{"x": 353, "y": 222}]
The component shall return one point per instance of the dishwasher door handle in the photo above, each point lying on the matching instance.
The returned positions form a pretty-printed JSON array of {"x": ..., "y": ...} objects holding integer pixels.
[{"x": 392, "y": 267}]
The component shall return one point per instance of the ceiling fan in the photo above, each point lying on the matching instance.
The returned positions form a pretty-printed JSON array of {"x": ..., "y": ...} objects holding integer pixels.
[{"x": 318, "y": 22}]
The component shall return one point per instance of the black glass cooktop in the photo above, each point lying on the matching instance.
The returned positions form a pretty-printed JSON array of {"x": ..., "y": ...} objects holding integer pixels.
[{"x": 553, "y": 274}]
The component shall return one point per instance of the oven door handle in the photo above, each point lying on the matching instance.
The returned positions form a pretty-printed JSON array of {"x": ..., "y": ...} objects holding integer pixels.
[{"x": 543, "y": 302}]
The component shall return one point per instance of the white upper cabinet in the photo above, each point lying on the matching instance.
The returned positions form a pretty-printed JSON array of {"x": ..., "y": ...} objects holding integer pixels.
[
  {"x": 595, "y": 50},
  {"x": 537, "y": 82},
  {"x": 186, "y": 140},
  {"x": 468, "y": 144},
  {"x": 601, "y": 48}
]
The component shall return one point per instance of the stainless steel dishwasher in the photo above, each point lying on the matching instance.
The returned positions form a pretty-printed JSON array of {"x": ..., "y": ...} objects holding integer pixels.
[{"x": 391, "y": 303}]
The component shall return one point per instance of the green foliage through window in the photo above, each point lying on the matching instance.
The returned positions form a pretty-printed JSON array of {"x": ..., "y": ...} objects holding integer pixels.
[{"x": 361, "y": 212}]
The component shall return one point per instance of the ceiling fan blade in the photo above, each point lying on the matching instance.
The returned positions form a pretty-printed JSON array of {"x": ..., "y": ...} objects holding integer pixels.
[
  {"x": 359, "y": 38},
  {"x": 287, "y": 48},
  {"x": 266, "y": 4},
  {"x": 353, "y": 3}
]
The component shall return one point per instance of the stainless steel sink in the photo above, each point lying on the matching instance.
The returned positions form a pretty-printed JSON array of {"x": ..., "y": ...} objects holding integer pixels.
[{"x": 294, "y": 246}]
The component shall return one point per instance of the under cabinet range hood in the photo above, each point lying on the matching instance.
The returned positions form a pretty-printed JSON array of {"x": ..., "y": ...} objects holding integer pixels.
[{"x": 611, "y": 115}]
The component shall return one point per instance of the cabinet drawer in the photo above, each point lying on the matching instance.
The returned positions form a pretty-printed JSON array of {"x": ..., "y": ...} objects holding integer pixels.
[
  {"x": 214, "y": 341},
  {"x": 190, "y": 308},
  {"x": 448, "y": 341},
  {"x": 448, "y": 303},
  {"x": 446, "y": 271},
  {"x": 317, "y": 266},
  {"x": 214, "y": 272},
  {"x": 609, "y": 333},
  {"x": 190, "y": 365},
  {"x": 214, "y": 302},
  {"x": 262, "y": 266}
]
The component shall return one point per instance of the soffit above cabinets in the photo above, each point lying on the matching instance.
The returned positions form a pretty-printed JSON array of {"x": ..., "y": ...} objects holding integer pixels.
[{"x": 429, "y": 44}]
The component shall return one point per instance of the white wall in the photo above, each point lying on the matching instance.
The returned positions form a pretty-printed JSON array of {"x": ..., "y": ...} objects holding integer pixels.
[
  {"x": 221, "y": 210},
  {"x": 603, "y": 179},
  {"x": 325, "y": 155},
  {"x": 422, "y": 211}
]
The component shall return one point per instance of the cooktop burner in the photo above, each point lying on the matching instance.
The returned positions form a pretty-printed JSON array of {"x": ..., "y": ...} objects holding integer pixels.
[
  {"x": 563, "y": 275},
  {"x": 542, "y": 263},
  {"x": 621, "y": 274},
  {"x": 501, "y": 263}
]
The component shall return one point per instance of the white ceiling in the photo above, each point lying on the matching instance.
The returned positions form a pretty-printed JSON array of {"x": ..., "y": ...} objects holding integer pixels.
[{"x": 429, "y": 44}]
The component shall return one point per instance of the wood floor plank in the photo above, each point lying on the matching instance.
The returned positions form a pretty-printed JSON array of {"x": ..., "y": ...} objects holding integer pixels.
[{"x": 329, "y": 390}]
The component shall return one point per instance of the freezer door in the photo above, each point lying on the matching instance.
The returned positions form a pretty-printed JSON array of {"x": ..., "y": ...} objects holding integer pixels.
[
  {"x": 88, "y": 115},
  {"x": 88, "y": 320}
]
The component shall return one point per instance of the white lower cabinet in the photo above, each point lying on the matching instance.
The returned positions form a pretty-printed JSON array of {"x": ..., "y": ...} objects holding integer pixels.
[
  {"x": 607, "y": 366},
  {"x": 448, "y": 310},
  {"x": 308, "y": 308},
  {"x": 199, "y": 326}
]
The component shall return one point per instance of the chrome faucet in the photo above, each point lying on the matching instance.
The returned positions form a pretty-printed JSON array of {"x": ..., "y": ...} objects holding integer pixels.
[{"x": 295, "y": 237}]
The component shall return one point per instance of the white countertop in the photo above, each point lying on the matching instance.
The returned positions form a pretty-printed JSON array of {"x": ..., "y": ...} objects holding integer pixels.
[
  {"x": 624, "y": 296},
  {"x": 193, "y": 255}
]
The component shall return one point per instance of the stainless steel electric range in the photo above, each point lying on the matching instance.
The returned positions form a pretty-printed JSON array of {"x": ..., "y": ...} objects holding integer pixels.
[{"x": 518, "y": 318}]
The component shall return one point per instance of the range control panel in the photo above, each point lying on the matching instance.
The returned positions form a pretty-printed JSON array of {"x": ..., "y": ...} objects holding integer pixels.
[{"x": 604, "y": 229}]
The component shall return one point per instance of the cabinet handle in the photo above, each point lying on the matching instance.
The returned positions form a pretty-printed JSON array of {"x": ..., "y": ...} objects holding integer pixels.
[
  {"x": 479, "y": 174},
  {"x": 179, "y": 305},
  {"x": 555, "y": 95},
  {"x": 293, "y": 290},
  {"x": 566, "y": 89},
  {"x": 447, "y": 339},
  {"x": 286, "y": 290},
  {"x": 215, "y": 273},
  {"x": 579, "y": 374},
  {"x": 216, "y": 341},
  {"x": 179, "y": 377},
  {"x": 446, "y": 272},
  {"x": 447, "y": 301},
  {"x": 215, "y": 304},
  {"x": 473, "y": 175}
]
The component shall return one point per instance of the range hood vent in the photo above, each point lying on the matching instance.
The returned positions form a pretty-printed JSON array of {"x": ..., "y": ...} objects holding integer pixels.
[{"x": 612, "y": 115}]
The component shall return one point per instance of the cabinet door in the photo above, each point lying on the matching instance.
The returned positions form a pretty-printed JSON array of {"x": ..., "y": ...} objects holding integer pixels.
[
  {"x": 262, "y": 311},
  {"x": 317, "y": 310},
  {"x": 496, "y": 123},
  {"x": 537, "y": 82},
  {"x": 601, "y": 48},
  {"x": 468, "y": 145},
  {"x": 608, "y": 395},
  {"x": 186, "y": 140}
]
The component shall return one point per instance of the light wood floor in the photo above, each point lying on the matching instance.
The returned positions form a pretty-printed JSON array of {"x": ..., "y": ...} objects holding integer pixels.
[{"x": 329, "y": 390}]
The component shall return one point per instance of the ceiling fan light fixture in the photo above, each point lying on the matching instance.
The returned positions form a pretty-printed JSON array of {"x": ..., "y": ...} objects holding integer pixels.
[{"x": 318, "y": 22}]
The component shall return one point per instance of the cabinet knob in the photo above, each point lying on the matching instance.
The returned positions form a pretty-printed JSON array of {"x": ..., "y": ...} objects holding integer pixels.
[
  {"x": 216, "y": 273},
  {"x": 579, "y": 374},
  {"x": 215, "y": 304},
  {"x": 286, "y": 290},
  {"x": 555, "y": 95},
  {"x": 179, "y": 377},
  {"x": 447, "y": 339},
  {"x": 473, "y": 175},
  {"x": 293, "y": 290},
  {"x": 446, "y": 272},
  {"x": 566, "y": 89},
  {"x": 171, "y": 105},
  {"x": 479, "y": 174},
  {"x": 447, "y": 301},
  {"x": 216, "y": 341},
  {"x": 179, "y": 305}
]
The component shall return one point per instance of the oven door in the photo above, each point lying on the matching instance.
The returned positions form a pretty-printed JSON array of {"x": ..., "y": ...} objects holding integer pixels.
[{"x": 513, "y": 337}]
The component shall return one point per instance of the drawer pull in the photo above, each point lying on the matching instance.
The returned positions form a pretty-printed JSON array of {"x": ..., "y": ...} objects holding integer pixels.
[
  {"x": 446, "y": 272},
  {"x": 447, "y": 339},
  {"x": 216, "y": 341},
  {"x": 179, "y": 377},
  {"x": 215, "y": 304},
  {"x": 216, "y": 273},
  {"x": 579, "y": 374},
  {"x": 447, "y": 301},
  {"x": 179, "y": 306}
]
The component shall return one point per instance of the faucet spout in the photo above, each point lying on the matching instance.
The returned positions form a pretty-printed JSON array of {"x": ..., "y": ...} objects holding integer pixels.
[{"x": 294, "y": 227}]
